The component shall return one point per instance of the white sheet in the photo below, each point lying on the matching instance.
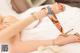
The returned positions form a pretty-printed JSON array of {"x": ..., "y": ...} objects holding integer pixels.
[{"x": 70, "y": 48}]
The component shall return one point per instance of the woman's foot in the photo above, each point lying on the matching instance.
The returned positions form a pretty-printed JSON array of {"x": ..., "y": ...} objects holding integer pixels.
[{"x": 71, "y": 38}]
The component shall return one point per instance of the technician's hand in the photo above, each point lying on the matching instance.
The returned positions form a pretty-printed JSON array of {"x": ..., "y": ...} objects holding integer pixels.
[{"x": 57, "y": 7}]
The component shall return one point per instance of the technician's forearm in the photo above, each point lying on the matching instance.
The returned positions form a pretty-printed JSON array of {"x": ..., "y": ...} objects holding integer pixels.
[{"x": 10, "y": 31}]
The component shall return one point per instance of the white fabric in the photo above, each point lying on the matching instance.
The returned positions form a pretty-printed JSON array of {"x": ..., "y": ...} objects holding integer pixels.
[
  {"x": 50, "y": 49},
  {"x": 46, "y": 30},
  {"x": 70, "y": 48}
]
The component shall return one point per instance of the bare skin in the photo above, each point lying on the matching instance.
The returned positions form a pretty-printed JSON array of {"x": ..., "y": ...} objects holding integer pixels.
[{"x": 19, "y": 46}]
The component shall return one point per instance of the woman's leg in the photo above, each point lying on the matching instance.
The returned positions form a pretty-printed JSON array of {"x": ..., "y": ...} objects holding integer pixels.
[
  {"x": 20, "y": 46},
  {"x": 25, "y": 47},
  {"x": 70, "y": 38}
]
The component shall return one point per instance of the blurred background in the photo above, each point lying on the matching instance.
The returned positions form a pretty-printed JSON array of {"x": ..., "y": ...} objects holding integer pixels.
[{"x": 21, "y": 5}]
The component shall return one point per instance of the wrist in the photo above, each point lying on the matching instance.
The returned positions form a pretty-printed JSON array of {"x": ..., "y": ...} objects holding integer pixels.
[{"x": 40, "y": 14}]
